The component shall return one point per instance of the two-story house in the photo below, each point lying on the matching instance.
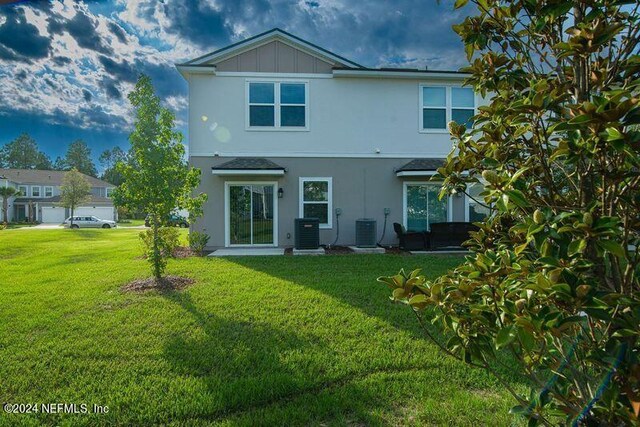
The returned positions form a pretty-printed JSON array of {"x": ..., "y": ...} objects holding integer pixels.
[
  {"x": 284, "y": 129},
  {"x": 39, "y": 197}
]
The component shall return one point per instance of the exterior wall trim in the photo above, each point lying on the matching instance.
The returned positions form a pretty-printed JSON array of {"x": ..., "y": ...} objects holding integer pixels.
[
  {"x": 238, "y": 172},
  {"x": 416, "y": 173}
]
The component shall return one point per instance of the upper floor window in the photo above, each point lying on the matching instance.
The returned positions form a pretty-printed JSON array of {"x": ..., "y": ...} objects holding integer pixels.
[
  {"x": 442, "y": 104},
  {"x": 277, "y": 105},
  {"x": 24, "y": 190},
  {"x": 48, "y": 191},
  {"x": 35, "y": 191},
  {"x": 109, "y": 191}
]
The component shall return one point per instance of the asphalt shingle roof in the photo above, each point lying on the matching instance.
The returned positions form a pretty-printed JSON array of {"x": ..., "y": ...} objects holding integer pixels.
[
  {"x": 249, "y": 163},
  {"x": 56, "y": 199},
  {"x": 422, "y": 165},
  {"x": 45, "y": 177}
]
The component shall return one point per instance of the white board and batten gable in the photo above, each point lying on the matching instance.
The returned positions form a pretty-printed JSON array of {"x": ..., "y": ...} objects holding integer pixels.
[{"x": 274, "y": 51}]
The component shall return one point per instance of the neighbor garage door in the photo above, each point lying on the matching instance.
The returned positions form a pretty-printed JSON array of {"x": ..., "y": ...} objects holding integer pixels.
[
  {"x": 53, "y": 215},
  {"x": 99, "y": 212}
]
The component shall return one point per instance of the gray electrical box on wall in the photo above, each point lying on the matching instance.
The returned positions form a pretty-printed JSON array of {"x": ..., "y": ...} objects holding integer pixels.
[{"x": 366, "y": 232}]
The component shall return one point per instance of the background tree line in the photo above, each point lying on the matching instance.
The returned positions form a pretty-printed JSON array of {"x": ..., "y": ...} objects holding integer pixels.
[{"x": 24, "y": 153}]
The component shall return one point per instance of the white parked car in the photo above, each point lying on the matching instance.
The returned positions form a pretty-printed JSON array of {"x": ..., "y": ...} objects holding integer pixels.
[{"x": 88, "y": 222}]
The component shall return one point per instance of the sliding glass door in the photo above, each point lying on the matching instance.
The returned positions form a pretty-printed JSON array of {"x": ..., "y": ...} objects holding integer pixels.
[
  {"x": 422, "y": 207},
  {"x": 250, "y": 214}
]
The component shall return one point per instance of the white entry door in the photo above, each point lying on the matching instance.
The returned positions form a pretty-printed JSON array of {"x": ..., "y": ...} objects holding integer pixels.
[{"x": 251, "y": 214}]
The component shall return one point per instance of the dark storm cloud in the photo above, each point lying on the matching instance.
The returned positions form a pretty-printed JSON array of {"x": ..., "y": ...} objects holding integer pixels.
[
  {"x": 7, "y": 54},
  {"x": 61, "y": 60},
  {"x": 99, "y": 118},
  {"x": 111, "y": 89},
  {"x": 50, "y": 83},
  {"x": 83, "y": 29},
  {"x": 118, "y": 31},
  {"x": 119, "y": 70},
  {"x": 200, "y": 24},
  {"x": 20, "y": 39}
]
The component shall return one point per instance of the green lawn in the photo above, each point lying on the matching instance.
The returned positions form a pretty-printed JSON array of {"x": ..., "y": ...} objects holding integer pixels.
[
  {"x": 131, "y": 223},
  {"x": 13, "y": 225},
  {"x": 256, "y": 341}
]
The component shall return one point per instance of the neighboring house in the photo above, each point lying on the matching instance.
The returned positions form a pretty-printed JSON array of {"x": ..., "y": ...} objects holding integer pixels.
[
  {"x": 39, "y": 197},
  {"x": 282, "y": 128}
]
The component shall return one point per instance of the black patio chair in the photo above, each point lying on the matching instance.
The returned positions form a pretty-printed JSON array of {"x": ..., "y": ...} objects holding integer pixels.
[{"x": 411, "y": 240}]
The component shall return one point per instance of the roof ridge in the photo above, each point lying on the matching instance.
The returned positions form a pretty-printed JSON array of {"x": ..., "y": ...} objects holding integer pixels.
[{"x": 265, "y": 33}]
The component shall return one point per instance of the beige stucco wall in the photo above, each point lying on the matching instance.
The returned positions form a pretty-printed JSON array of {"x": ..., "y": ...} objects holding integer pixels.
[{"x": 361, "y": 188}]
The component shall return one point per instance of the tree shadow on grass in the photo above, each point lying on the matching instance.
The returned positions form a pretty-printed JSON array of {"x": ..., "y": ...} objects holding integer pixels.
[
  {"x": 241, "y": 363},
  {"x": 252, "y": 370},
  {"x": 352, "y": 280}
]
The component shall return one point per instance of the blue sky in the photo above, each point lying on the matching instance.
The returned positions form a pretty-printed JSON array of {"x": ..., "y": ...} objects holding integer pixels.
[{"x": 66, "y": 66}]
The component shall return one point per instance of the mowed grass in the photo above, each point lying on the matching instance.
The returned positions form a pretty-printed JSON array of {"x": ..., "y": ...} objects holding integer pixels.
[{"x": 256, "y": 341}]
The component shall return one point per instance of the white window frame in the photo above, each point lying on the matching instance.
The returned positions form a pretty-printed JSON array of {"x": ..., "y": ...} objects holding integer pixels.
[
  {"x": 467, "y": 201},
  {"x": 33, "y": 187},
  {"x": 276, "y": 105},
  {"x": 108, "y": 191},
  {"x": 227, "y": 212},
  {"x": 48, "y": 189},
  {"x": 448, "y": 106},
  {"x": 24, "y": 193},
  {"x": 404, "y": 200},
  {"x": 329, "y": 202}
]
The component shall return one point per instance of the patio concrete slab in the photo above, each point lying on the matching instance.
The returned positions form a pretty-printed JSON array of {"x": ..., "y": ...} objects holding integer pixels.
[
  {"x": 319, "y": 251},
  {"x": 358, "y": 250},
  {"x": 247, "y": 252},
  {"x": 449, "y": 252}
]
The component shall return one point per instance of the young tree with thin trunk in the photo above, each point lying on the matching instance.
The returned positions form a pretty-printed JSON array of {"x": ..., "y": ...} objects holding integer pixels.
[
  {"x": 75, "y": 190},
  {"x": 156, "y": 177},
  {"x": 6, "y": 193},
  {"x": 553, "y": 280}
]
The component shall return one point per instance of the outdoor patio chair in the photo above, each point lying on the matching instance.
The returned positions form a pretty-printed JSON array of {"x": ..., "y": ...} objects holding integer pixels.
[{"x": 410, "y": 240}]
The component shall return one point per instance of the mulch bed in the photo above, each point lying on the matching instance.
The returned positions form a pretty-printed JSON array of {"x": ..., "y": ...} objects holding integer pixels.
[
  {"x": 167, "y": 283},
  {"x": 183, "y": 252}
]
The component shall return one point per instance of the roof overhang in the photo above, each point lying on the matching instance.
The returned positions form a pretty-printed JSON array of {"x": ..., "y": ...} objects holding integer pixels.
[
  {"x": 416, "y": 173},
  {"x": 432, "y": 75},
  {"x": 262, "y": 172},
  {"x": 185, "y": 70}
]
